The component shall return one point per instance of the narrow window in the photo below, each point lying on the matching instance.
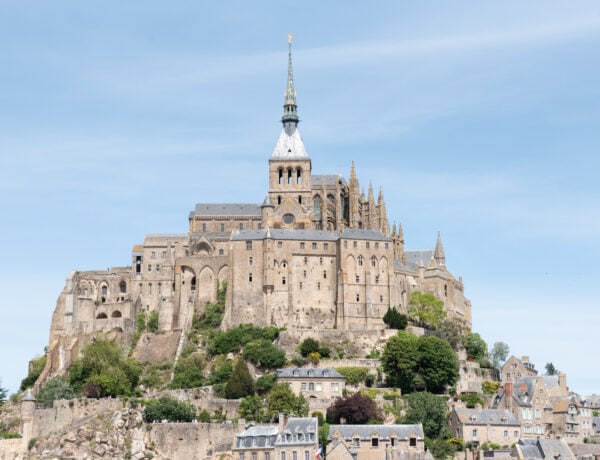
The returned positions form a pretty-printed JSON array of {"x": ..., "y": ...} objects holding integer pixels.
[
  {"x": 267, "y": 455},
  {"x": 149, "y": 267},
  {"x": 319, "y": 286},
  {"x": 294, "y": 455},
  {"x": 159, "y": 288},
  {"x": 203, "y": 227},
  {"x": 358, "y": 297},
  {"x": 355, "y": 244},
  {"x": 164, "y": 254},
  {"x": 289, "y": 181},
  {"x": 158, "y": 268},
  {"x": 250, "y": 261},
  {"x": 311, "y": 386},
  {"x": 367, "y": 245},
  {"x": 387, "y": 246},
  {"x": 413, "y": 442},
  {"x": 357, "y": 278},
  {"x": 279, "y": 202},
  {"x": 149, "y": 288},
  {"x": 304, "y": 273},
  {"x": 305, "y": 260},
  {"x": 193, "y": 283},
  {"x": 302, "y": 246},
  {"x": 325, "y": 246},
  {"x": 373, "y": 261},
  {"x": 380, "y": 298},
  {"x": 360, "y": 260},
  {"x": 241, "y": 226},
  {"x": 221, "y": 252},
  {"x": 241, "y": 456},
  {"x": 320, "y": 260},
  {"x": 138, "y": 265},
  {"x": 324, "y": 274},
  {"x": 280, "y": 171},
  {"x": 249, "y": 244},
  {"x": 279, "y": 244},
  {"x": 303, "y": 386},
  {"x": 282, "y": 455},
  {"x": 153, "y": 256},
  {"x": 254, "y": 456},
  {"x": 123, "y": 287},
  {"x": 250, "y": 277},
  {"x": 222, "y": 227},
  {"x": 283, "y": 280},
  {"x": 314, "y": 245},
  {"x": 298, "y": 176},
  {"x": 374, "y": 442},
  {"x": 376, "y": 245},
  {"x": 376, "y": 279},
  {"x": 392, "y": 442},
  {"x": 300, "y": 284},
  {"x": 299, "y": 199},
  {"x": 346, "y": 244}
]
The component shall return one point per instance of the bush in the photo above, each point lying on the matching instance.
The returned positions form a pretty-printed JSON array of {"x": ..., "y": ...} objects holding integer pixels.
[
  {"x": 56, "y": 388},
  {"x": 394, "y": 319},
  {"x": 264, "y": 383},
  {"x": 232, "y": 340},
  {"x": 308, "y": 346},
  {"x": 188, "y": 372},
  {"x": 471, "y": 400},
  {"x": 156, "y": 375},
  {"x": 324, "y": 351},
  {"x": 264, "y": 354},
  {"x": 103, "y": 370},
  {"x": 353, "y": 375},
  {"x": 369, "y": 380},
  {"x": 167, "y": 408},
  {"x": 355, "y": 409},
  {"x": 152, "y": 323},
  {"x": 204, "y": 416},
  {"x": 489, "y": 387},
  {"x": 221, "y": 371}
]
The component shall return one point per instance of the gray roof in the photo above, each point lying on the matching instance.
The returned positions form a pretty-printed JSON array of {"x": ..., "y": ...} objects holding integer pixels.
[
  {"x": 257, "y": 436},
  {"x": 360, "y": 234},
  {"x": 486, "y": 417},
  {"x": 303, "y": 372},
  {"x": 415, "y": 259},
  {"x": 28, "y": 396},
  {"x": 226, "y": 209},
  {"x": 328, "y": 180},
  {"x": 596, "y": 424},
  {"x": 298, "y": 430},
  {"x": 545, "y": 448},
  {"x": 279, "y": 234},
  {"x": 212, "y": 235},
  {"x": 383, "y": 431}
]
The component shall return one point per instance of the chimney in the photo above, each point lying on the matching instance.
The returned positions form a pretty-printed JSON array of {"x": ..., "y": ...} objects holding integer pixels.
[
  {"x": 562, "y": 380},
  {"x": 509, "y": 390},
  {"x": 283, "y": 420},
  {"x": 524, "y": 359}
]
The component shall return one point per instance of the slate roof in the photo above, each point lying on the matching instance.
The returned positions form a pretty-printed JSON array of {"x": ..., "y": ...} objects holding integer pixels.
[
  {"x": 289, "y": 147},
  {"x": 263, "y": 436},
  {"x": 596, "y": 424},
  {"x": 486, "y": 417},
  {"x": 329, "y": 180},
  {"x": 383, "y": 431},
  {"x": 280, "y": 234},
  {"x": 360, "y": 234},
  {"x": 414, "y": 259},
  {"x": 302, "y": 372},
  {"x": 298, "y": 431},
  {"x": 545, "y": 448},
  {"x": 149, "y": 239},
  {"x": 226, "y": 209}
]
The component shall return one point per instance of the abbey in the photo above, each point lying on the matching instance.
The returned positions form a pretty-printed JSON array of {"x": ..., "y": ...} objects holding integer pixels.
[{"x": 315, "y": 253}]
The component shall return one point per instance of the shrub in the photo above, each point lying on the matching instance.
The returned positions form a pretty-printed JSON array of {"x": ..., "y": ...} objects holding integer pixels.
[
  {"x": 204, "y": 416},
  {"x": 56, "y": 388},
  {"x": 188, "y": 372},
  {"x": 156, "y": 375},
  {"x": 355, "y": 409},
  {"x": 232, "y": 340},
  {"x": 264, "y": 383},
  {"x": 489, "y": 387},
  {"x": 221, "y": 371},
  {"x": 167, "y": 408},
  {"x": 471, "y": 400},
  {"x": 264, "y": 354},
  {"x": 353, "y": 375},
  {"x": 152, "y": 323},
  {"x": 394, "y": 319},
  {"x": 308, "y": 346},
  {"x": 369, "y": 380}
]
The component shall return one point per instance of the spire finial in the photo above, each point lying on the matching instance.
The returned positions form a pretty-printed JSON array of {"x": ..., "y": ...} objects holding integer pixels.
[
  {"x": 290, "y": 109},
  {"x": 438, "y": 253}
]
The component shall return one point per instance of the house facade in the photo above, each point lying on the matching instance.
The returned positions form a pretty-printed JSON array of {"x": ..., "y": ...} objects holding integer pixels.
[
  {"x": 484, "y": 426},
  {"x": 313, "y": 382}
]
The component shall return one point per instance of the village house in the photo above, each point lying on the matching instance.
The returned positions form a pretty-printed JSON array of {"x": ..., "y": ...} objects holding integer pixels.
[
  {"x": 313, "y": 382},
  {"x": 375, "y": 442},
  {"x": 477, "y": 426},
  {"x": 515, "y": 369}
]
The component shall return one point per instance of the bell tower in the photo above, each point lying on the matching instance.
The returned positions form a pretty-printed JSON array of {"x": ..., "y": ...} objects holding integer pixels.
[{"x": 290, "y": 165}]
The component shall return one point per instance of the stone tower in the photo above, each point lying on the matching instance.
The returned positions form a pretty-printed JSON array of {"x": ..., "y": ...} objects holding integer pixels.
[{"x": 290, "y": 166}]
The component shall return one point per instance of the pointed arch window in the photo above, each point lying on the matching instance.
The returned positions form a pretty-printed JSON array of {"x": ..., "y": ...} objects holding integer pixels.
[
  {"x": 299, "y": 176},
  {"x": 317, "y": 207},
  {"x": 360, "y": 260}
]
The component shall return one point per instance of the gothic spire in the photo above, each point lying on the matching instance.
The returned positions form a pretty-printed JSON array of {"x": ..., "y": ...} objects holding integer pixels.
[
  {"x": 438, "y": 254},
  {"x": 290, "y": 109}
]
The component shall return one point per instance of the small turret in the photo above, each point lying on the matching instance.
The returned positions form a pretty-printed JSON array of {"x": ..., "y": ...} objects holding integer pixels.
[{"x": 438, "y": 254}]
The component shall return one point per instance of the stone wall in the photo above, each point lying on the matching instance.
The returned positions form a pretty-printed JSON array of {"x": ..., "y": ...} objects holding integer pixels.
[{"x": 12, "y": 448}]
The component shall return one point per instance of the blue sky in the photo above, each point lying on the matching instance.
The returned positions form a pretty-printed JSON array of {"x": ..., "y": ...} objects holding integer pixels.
[{"x": 478, "y": 119}]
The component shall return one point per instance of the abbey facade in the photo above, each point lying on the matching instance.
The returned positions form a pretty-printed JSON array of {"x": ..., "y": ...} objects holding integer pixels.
[{"x": 315, "y": 253}]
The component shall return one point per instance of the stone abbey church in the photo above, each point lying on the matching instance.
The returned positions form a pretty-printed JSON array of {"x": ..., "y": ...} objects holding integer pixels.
[{"x": 315, "y": 253}]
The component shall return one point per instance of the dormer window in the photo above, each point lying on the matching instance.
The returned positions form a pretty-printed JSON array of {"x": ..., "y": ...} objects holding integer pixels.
[
  {"x": 295, "y": 372},
  {"x": 310, "y": 373}
]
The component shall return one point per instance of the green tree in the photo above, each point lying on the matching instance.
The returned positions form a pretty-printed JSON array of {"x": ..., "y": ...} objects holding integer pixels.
[
  {"x": 308, "y": 346},
  {"x": 264, "y": 383},
  {"x": 103, "y": 365},
  {"x": 394, "y": 319},
  {"x": 264, "y": 354},
  {"x": 221, "y": 371},
  {"x": 36, "y": 366},
  {"x": 551, "y": 370},
  {"x": 425, "y": 310},
  {"x": 56, "y": 388},
  {"x": 475, "y": 346},
  {"x": 204, "y": 416},
  {"x": 167, "y": 408},
  {"x": 355, "y": 410},
  {"x": 253, "y": 408},
  {"x": 437, "y": 363},
  {"x": 400, "y": 360},
  {"x": 240, "y": 384},
  {"x": 353, "y": 374},
  {"x": 430, "y": 410},
  {"x": 152, "y": 323},
  {"x": 499, "y": 353},
  {"x": 281, "y": 398}
]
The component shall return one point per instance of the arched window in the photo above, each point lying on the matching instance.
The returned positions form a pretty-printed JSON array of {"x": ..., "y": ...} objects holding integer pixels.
[
  {"x": 116, "y": 314},
  {"x": 203, "y": 227},
  {"x": 194, "y": 283},
  {"x": 290, "y": 180},
  {"x": 280, "y": 171},
  {"x": 101, "y": 316},
  {"x": 299, "y": 176},
  {"x": 360, "y": 260},
  {"x": 104, "y": 290},
  {"x": 317, "y": 207},
  {"x": 123, "y": 287},
  {"x": 373, "y": 261}
]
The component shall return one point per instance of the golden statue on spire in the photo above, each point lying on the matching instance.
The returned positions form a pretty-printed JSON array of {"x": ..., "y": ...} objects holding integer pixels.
[{"x": 290, "y": 38}]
